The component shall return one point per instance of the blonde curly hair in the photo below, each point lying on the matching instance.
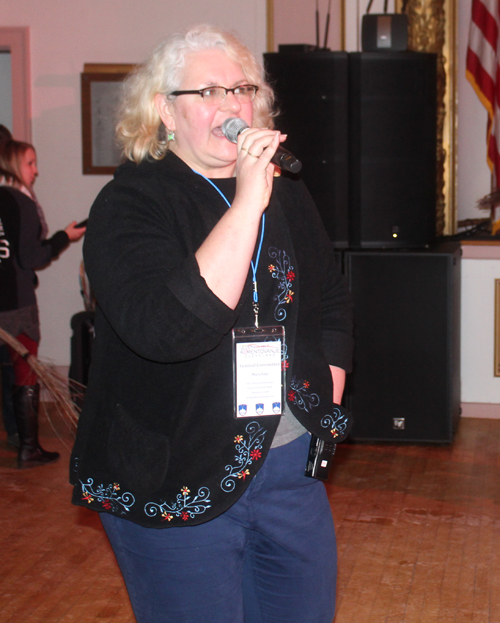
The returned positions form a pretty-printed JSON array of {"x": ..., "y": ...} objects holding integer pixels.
[{"x": 140, "y": 130}]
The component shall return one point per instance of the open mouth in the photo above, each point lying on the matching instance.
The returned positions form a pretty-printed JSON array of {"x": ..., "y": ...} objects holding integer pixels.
[{"x": 218, "y": 131}]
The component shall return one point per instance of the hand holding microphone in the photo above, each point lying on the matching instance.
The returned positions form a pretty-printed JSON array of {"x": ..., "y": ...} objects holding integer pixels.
[{"x": 233, "y": 126}]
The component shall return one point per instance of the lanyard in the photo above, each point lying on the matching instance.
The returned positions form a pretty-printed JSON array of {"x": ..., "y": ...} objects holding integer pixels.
[{"x": 257, "y": 258}]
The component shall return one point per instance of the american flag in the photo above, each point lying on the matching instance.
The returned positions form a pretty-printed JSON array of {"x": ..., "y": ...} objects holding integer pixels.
[{"x": 483, "y": 72}]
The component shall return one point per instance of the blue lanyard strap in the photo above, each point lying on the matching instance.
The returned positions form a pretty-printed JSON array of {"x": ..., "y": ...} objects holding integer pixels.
[{"x": 259, "y": 249}]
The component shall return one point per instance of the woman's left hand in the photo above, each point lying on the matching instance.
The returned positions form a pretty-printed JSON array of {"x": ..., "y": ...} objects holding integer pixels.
[{"x": 74, "y": 233}]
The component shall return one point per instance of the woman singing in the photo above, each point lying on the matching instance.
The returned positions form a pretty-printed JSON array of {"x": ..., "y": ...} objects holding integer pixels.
[{"x": 195, "y": 242}]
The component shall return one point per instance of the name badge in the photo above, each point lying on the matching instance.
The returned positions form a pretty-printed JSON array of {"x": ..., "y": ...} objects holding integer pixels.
[{"x": 259, "y": 377}]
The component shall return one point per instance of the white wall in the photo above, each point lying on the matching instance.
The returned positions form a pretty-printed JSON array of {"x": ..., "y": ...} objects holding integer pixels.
[
  {"x": 479, "y": 385},
  {"x": 65, "y": 34}
]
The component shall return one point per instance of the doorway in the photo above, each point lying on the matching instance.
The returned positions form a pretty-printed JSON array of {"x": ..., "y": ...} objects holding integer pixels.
[
  {"x": 6, "y": 89},
  {"x": 15, "y": 63}
]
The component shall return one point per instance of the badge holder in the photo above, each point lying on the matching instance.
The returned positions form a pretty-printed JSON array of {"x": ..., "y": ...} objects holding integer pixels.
[{"x": 258, "y": 373}]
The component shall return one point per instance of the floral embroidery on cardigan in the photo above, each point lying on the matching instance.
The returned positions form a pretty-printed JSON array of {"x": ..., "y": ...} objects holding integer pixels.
[
  {"x": 183, "y": 508},
  {"x": 336, "y": 422},
  {"x": 108, "y": 496},
  {"x": 281, "y": 270},
  {"x": 284, "y": 357},
  {"x": 248, "y": 450},
  {"x": 300, "y": 396}
]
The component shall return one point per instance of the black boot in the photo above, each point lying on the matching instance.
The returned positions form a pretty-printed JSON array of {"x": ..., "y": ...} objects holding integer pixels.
[
  {"x": 31, "y": 454},
  {"x": 13, "y": 441},
  {"x": 7, "y": 383}
]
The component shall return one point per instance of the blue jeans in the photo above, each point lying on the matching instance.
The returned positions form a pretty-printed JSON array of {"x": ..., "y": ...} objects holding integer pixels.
[{"x": 271, "y": 558}]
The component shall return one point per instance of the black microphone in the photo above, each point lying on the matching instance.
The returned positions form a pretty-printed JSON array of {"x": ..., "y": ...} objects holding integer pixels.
[{"x": 283, "y": 159}]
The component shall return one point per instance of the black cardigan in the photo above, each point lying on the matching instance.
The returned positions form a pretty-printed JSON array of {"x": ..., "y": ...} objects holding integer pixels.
[{"x": 157, "y": 442}]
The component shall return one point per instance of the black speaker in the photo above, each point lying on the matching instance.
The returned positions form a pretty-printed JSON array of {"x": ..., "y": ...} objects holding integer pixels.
[
  {"x": 405, "y": 385},
  {"x": 312, "y": 97},
  {"x": 384, "y": 31},
  {"x": 392, "y": 142}
]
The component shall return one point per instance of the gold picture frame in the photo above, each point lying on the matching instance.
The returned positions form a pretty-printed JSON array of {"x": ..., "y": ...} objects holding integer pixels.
[
  {"x": 432, "y": 27},
  {"x": 100, "y": 91}
]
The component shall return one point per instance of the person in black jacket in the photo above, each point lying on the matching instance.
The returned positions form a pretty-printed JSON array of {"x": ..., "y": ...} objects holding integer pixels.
[
  {"x": 23, "y": 249},
  {"x": 198, "y": 471},
  {"x": 6, "y": 372}
]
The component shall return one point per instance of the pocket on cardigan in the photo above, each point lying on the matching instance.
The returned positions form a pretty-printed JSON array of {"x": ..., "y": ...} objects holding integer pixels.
[{"x": 138, "y": 456}]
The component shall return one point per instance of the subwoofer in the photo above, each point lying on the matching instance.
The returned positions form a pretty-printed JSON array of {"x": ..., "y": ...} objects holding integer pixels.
[{"x": 405, "y": 385}]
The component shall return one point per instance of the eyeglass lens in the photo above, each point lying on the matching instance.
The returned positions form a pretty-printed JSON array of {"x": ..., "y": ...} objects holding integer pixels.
[{"x": 244, "y": 93}]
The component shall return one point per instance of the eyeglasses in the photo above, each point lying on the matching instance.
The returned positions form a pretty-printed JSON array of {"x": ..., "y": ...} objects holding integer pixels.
[{"x": 244, "y": 93}]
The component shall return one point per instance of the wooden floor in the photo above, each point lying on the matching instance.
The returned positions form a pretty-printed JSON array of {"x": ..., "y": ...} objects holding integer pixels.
[{"x": 418, "y": 531}]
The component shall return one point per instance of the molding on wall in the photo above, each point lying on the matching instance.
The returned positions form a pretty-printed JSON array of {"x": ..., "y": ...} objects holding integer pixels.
[
  {"x": 481, "y": 410},
  {"x": 484, "y": 250}
]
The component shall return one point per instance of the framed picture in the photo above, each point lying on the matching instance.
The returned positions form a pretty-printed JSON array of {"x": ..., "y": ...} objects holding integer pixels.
[{"x": 101, "y": 90}]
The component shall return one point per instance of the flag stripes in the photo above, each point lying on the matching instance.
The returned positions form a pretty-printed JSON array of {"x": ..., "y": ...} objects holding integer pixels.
[{"x": 483, "y": 72}]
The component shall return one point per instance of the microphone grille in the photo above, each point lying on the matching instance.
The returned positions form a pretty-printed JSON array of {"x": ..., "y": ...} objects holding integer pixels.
[{"x": 232, "y": 127}]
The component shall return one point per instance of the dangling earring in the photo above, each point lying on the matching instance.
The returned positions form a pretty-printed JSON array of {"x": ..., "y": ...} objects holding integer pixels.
[{"x": 170, "y": 135}]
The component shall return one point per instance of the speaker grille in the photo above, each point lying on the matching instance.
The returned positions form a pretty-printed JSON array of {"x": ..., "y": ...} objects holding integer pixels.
[{"x": 407, "y": 341}]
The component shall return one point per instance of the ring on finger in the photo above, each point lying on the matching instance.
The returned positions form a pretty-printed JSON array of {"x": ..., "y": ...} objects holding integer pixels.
[{"x": 245, "y": 149}]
